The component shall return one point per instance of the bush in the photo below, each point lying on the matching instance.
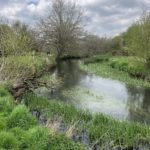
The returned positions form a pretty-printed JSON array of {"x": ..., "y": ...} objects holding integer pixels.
[
  {"x": 8, "y": 141},
  {"x": 37, "y": 138},
  {"x": 20, "y": 117}
]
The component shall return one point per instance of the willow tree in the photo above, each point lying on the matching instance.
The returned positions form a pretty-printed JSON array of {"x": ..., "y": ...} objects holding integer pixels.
[{"x": 63, "y": 26}]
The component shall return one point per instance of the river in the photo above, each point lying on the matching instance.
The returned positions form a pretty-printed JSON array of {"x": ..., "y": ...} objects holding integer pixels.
[{"x": 101, "y": 95}]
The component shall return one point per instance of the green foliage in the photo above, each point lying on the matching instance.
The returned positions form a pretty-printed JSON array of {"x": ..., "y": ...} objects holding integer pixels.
[
  {"x": 117, "y": 43},
  {"x": 6, "y": 105},
  {"x": 3, "y": 92},
  {"x": 6, "y": 101},
  {"x": 19, "y": 134},
  {"x": 37, "y": 138},
  {"x": 97, "y": 58},
  {"x": 16, "y": 39},
  {"x": 118, "y": 133},
  {"x": 55, "y": 108},
  {"x": 20, "y": 117},
  {"x": 101, "y": 129},
  {"x": 18, "y": 67},
  {"x": 58, "y": 142},
  {"x": 19, "y": 129},
  {"x": 45, "y": 139},
  {"x": 8, "y": 141},
  {"x": 50, "y": 81},
  {"x": 105, "y": 70},
  {"x": 137, "y": 38},
  {"x": 3, "y": 122},
  {"x": 133, "y": 65}
]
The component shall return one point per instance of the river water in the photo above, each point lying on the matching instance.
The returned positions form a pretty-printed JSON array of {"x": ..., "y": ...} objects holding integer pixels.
[{"x": 101, "y": 95}]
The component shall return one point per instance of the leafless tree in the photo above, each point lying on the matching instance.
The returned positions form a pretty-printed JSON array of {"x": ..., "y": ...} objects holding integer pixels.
[{"x": 63, "y": 26}]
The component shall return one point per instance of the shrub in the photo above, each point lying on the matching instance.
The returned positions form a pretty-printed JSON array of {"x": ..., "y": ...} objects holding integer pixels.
[
  {"x": 8, "y": 141},
  {"x": 20, "y": 117}
]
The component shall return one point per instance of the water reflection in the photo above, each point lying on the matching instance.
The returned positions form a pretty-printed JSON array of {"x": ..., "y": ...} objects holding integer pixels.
[
  {"x": 139, "y": 104},
  {"x": 70, "y": 73},
  {"x": 98, "y": 94}
]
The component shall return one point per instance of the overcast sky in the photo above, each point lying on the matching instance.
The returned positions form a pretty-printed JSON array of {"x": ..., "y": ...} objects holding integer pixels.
[{"x": 105, "y": 17}]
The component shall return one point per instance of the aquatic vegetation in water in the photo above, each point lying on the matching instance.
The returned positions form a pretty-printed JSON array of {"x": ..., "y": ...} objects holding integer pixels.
[{"x": 82, "y": 93}]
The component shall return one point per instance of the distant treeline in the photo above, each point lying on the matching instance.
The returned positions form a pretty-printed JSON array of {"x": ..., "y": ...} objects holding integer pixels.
[{"x": 63, "y": 33}]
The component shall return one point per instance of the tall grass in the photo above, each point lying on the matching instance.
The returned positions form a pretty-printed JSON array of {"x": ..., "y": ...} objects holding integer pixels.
[
  {"x": 19, "y": 129},
  {"x": 119, "y": 69},
  {"x": 101, "y": 129},
  {"x": 16, "y": 67}
]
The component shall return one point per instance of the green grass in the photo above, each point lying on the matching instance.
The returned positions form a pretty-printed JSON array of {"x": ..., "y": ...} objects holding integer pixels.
[
  {"x": 8, "y": 141},
  {"x": 133, "y": 65},
  {"x": 106, "y": 70},
  {"x": 23, "y": 67},
  {"x": 53, "y": 108},
  {"x": 101, "y": 129},
  {"x": 50, "y": 81},
  {"x": 19, "y": 130},
  {"x": 97, "y": 58}
]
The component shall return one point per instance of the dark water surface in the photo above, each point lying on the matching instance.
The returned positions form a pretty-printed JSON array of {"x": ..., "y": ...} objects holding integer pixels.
[{"x": 98, "y": 94}]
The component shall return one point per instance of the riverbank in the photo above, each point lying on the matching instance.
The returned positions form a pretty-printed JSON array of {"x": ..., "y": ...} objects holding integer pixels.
[
  {"x": 95, "y": 131},
  {"x": 19, "y": 129},
  {"x": 61, "y": 124},
  {"x": 54, "y": 124},
  {"x": 129, "y": 70},
  {"x": 19, "y": 73}
]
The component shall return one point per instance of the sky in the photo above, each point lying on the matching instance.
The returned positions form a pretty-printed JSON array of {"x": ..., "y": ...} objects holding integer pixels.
[{"x": 104, "y": 17}]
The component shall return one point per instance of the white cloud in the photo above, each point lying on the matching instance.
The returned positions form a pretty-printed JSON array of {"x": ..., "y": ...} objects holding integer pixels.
[{"x": 105, "y": 17}]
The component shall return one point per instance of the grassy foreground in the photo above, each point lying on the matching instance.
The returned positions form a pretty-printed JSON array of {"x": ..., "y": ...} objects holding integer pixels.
[
  {"x": 102, "y": 131},
  {"x": 129, "y": 70},
  {"x": 19, "y": 129}
]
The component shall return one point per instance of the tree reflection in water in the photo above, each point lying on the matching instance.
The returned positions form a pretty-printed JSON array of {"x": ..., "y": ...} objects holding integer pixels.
[{"x": 138, "y": 104}]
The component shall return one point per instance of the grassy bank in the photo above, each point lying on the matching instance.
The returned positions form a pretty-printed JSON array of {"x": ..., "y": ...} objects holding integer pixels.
[
  {"x": 101, "y": 131},
  {"x": 23, "y": 67},
  {"x": 20, "y": 130},
  {"x": 130, "y": 70}
]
